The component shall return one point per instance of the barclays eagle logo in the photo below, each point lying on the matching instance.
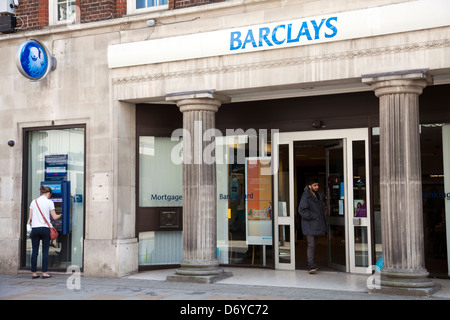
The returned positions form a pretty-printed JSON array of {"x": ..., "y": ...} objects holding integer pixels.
[{"x": 33, "y": 60}]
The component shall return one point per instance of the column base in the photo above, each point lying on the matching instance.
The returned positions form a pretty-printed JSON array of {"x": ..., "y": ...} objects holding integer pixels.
[
  {"x": 199, "y": 271},
  {"x": 401, "y": 282}
]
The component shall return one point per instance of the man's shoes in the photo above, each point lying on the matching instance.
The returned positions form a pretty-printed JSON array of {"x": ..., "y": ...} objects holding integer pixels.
[{"x": 312, "y": 270}]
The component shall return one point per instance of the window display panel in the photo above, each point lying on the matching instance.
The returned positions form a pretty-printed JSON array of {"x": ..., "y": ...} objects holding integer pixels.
[
  {"x": 56, "y": 160},
  {"x": 160, "y": 172},
  {"x": 435, "y": 195},
  {"x": 244, "y": 201},
  {"x": 161, "y": 191}
]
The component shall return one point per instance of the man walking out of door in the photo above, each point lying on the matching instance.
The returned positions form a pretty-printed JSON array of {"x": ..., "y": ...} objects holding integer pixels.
[{"x": 312, "y": 213}]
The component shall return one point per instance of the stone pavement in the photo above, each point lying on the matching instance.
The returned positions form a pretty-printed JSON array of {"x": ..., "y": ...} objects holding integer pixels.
[{"x": 245, "y": 285}]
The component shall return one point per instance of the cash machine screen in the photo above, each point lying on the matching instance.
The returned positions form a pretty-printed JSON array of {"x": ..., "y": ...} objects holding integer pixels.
[{"x": 61, "y": 199}]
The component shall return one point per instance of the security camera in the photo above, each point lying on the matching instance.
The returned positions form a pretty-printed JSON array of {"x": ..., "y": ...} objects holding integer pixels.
[
  {"x": 16, "y": 3},
  {"x": 318, "y": 124},
  {"x": 11, "y": 143}
]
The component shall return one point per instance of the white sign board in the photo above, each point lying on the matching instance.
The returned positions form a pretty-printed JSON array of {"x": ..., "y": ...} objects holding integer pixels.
[{"x": 403, "y": 17}]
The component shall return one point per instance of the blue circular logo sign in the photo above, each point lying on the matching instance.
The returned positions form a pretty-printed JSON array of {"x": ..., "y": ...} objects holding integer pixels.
[{"x": 33, "y": 60}]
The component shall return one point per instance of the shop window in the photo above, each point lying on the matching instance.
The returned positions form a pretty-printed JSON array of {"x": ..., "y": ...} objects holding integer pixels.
[
  {"x": 62, "y": 11},
  {"x": 141, "y": 6},
  {"x": 435, "y": 156},
  {"x": 244, "y": 201},
  {"x": 55, "y": 158},
  {"x": 160, "y": 201},
  {"x": 434, "y": 138}
]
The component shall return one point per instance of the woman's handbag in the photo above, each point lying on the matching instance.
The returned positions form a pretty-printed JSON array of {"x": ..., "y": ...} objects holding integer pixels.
[{"x": 53, "y": 231}]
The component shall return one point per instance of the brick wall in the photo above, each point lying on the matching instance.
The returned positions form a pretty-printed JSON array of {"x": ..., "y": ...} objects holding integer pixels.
[
  {"x": 93, "y": 10},
  {"x": 34, "y": 14}
]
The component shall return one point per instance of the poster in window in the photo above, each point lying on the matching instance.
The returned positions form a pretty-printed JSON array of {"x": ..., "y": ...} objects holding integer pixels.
[
  {"x": 56, "y": 167},
  {"x": 259, "y": 213}
]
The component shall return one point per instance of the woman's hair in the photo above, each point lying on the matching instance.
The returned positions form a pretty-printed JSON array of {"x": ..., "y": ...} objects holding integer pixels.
[{"x": 45, "y": 189}]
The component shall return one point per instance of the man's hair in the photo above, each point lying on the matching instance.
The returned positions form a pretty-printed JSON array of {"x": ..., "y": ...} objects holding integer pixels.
[{"x": 311, "y": 181}]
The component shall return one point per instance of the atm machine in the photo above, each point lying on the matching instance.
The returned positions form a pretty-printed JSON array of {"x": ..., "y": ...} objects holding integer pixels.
[{"x": 62, "y": 201}]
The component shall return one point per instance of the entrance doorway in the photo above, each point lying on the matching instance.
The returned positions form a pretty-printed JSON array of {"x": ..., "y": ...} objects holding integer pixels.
[
  {"x": 324, "y": 161},
  {"x": 339, "y": 160}
]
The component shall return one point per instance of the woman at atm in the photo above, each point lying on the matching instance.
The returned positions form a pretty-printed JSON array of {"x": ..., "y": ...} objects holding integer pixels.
[{"x": 40, "y": 230}]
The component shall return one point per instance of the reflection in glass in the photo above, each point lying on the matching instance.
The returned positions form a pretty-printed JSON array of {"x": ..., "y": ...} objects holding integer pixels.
[
  {"x": 361, "y": 247},
  {"x": 376, "y": 205},
  {"x": 160, "y": 173},
  {"x": 283, "y": 181},
  {"x": 359, "y": 180},
  {"x": 233, "y": 197},
  {"x": 160, "y": 185},
  {"x": 284, "y": 243},
  {"x": 336, "y": 200}
]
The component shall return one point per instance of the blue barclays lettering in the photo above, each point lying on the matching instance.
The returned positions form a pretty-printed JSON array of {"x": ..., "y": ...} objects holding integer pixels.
[
  {"x": 317, "y": 28},
  {"x": 331, "y": 27},
  {"x": 274, "y": 35},
  {"x": 249, "y": 39},
  {"x": 284, "y": 33},
  {"x": 304, "y": 31},
  {"x": 235, "y": 41},
  {"x": 263, "y": 33}
]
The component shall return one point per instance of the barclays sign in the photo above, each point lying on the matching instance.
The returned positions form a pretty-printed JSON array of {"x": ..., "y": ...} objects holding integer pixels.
[
  {"x": 284, "y": 33},
  {"x": 34, "y": 60},
  {"x": 332, "y": 27}
]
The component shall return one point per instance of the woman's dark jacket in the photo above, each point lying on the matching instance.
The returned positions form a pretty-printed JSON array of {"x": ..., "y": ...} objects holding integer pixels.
[{"x": 312, "y": 212}]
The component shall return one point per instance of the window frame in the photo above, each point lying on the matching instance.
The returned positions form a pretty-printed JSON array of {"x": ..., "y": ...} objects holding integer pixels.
[
  {"x": 53, "y": 14},
  {"x": 24, "y": 192},
  {"x": 131, "y": 8}
]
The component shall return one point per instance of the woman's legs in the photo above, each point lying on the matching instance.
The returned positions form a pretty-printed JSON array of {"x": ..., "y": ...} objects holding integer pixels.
[
  {"x": 35, "y": 240},
  {"x": 38, "y": 234},
  {"x": 45, "y": 248}
]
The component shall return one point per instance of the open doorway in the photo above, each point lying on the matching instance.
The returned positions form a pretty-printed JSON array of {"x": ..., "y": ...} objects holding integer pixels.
[
  {"x": 323, "y": 160},
  {"x": 339, "y": 160}
]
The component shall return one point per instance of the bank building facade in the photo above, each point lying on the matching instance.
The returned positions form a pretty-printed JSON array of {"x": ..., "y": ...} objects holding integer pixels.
[{"x": 182, "y": 134}]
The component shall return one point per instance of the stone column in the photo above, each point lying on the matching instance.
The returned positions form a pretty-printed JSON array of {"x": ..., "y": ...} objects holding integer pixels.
[
  {"x": 199, "y": 262},
  {"x": 401, "y": 183}
]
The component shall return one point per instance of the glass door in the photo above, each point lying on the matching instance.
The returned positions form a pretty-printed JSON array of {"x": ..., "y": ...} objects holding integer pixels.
[
  {"x": 346, "y": 188},
  {"x": 283, "y": 205},
  {"x": 359, "y": 200},
  {"x": 335, "y": 195}
]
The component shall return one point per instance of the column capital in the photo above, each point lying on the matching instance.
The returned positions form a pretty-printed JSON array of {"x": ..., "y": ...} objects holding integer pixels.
[
  {"x": 407, "y": 81},
  {"x": 204, "y": 100}
]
